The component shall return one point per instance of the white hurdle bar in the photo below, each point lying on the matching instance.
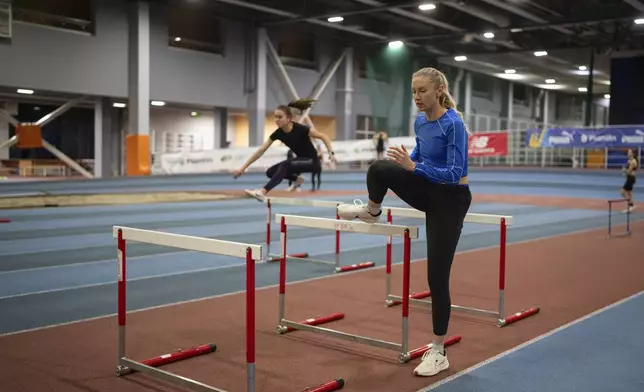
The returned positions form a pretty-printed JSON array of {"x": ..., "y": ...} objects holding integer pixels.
[
  {"x": 251, "y": 253},
  {"x": 312, "y": 324},
  {"x": 270, "y": 201},
  {"x": 503, "y": 221}
]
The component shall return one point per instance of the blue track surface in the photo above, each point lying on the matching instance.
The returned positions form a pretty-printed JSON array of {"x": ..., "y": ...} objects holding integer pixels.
[
  {"x": 58, "y": 265},
  {"x": 597, "y": 354}
]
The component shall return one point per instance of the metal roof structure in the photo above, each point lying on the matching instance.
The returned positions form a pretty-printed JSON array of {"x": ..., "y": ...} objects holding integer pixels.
[{"x": 493, "y": 35}]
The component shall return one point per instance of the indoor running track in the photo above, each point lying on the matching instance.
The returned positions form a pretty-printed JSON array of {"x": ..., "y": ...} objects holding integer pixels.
[{"x": 57, "y": 265}]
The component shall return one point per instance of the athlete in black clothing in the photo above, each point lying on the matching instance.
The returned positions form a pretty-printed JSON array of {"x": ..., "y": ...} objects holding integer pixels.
[
  {"x": 296, "y": 137},
  {"x": 629, "y": 172}
]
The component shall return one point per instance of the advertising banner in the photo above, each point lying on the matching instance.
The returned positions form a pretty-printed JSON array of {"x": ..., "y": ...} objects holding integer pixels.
[
  {"x": 488, "y": 144},
  {"x": 586, "y": 137}
]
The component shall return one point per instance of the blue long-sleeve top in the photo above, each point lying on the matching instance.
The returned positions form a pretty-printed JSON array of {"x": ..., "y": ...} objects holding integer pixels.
[{"x": 441, "y": 148}]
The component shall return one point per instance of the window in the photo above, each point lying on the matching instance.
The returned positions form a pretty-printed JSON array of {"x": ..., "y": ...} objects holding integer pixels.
[
  {"x": 195, "y": 30},
  {"x": 75, "y": 15},
  {"x": 483, "y": 86},
  {"x": 297, "y": 50},
  {"x": 520, "y": 94}
]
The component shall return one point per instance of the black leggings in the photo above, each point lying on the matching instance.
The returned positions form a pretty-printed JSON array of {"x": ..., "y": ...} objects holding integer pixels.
[
  {"x": 290, "y": 169},
  {"x": 445, "y": 207}
]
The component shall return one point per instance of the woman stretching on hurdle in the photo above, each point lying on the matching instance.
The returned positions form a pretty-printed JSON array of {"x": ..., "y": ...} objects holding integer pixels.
[
  {"x": 433, "y": 179},
  {"x": 629, "y": 171},
  {"x": 296, "y": 137}
]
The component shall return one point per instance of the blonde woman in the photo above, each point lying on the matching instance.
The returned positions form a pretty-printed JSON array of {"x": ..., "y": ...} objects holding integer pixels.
[{"x": 432, "y": 179}]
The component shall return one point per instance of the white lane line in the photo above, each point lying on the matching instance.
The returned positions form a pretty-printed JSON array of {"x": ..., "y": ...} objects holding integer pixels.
[{"x": 528, "y": 343}]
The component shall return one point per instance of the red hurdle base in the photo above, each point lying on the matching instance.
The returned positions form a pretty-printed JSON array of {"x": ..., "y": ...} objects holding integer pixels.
[
  {"x": 180, "y": 355},
  {"x": 420, "y": 295},
  {"x": 2, "y": 220},
  {"x": 518, "y": 316},
  {"x": 353, "y": 267},
  {"x": 318, "y": 321},
  {"x": 292, "y": 256},
  {"x": 327, "y": 386},
  {"x": 418, "y": 352}
]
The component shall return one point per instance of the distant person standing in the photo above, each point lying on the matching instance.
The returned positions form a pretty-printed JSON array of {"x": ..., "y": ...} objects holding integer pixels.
[
  {"x": 380, "y": 140},
  {"x": 629, "y": 172}
]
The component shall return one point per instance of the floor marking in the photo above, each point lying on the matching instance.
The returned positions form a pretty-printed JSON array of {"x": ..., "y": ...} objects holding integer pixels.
[
  {"x": 528, "y": 343},
  {"x": 128, "y": 280},
  {"x": 294, "y": 283}
]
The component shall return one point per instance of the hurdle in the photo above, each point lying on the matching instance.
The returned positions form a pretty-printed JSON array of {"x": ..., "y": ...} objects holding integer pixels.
[
  {"x": 312, "y": 325},
  {"x": 270, "y": 201},
  {"x": 251, "y": 253},
  {"x": 610, "y": 217},
  {"x": 5, "y": 220},
  {"x": 417, "y": 298}
]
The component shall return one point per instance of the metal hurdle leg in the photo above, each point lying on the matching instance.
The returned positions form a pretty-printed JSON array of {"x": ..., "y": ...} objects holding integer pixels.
[
  {"x": 628, "y": 219},
  {"x": 126, "y": 365},
  {"x": 311, "y": 325}
]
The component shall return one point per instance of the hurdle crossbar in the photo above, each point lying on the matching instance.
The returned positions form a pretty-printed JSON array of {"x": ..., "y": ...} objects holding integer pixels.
[
  {"x": 610, "y": 219},
  {"x": 304, "y": 256},
  {"x": 407, "y": 232},
  {"x": 418, "y": 298},
  {"x": 250, "y": 252}
]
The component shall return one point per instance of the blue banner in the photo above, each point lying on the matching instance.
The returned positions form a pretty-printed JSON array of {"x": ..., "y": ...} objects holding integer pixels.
[{"x": 586, "y": 138}]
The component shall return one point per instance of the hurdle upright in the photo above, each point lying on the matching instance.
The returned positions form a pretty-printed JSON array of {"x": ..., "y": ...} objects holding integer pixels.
[
  {"x": 417, "y": 298},
  {"x": 312, "y": 325},
  {"x": 270, "y": 201},
  {"x": 610, "y": 219},
  {"x": 251, "y": 253}
]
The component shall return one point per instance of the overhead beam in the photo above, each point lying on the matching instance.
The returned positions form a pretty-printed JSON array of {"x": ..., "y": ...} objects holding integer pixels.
[
  {"x": 431, "y": 21},
  {"x": 525, "y": 14},
  {"x": 637, "y": 4},
  {"x": 287, "y": 14},
  {"x": 363, "y": 11},
  {"x": 412, "y": 15},
  {"x": 519, "y": 29},
  {"x": 477, "y": 12}
]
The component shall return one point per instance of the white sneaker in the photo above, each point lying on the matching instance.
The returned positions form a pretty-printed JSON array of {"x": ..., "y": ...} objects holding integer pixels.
[
  {"x": 357, "y": 211},
  {"x": 296, "y": 184},
  {"x": 256, "y": 193},
  {"x": 433, "y": 363}
]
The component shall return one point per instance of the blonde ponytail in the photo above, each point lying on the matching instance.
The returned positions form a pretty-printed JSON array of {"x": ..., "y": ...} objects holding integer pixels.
[{"x": 446, "y": 100}]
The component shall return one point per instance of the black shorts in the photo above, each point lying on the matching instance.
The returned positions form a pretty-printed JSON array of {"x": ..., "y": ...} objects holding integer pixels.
[{"x": 628, "y": 185}]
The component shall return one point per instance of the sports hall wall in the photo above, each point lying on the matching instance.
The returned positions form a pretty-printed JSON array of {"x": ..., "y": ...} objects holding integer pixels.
[{"x": 64, "y": 61}]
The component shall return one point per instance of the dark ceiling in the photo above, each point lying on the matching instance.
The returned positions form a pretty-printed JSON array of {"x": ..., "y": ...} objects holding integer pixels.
[
  {"x": 567, "y": 29},
  {"x": 454, "y": 27}
]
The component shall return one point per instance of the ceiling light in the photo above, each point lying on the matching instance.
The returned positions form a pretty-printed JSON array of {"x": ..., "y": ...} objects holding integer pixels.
[
  {"x": 157, "y": 103},
  {"x": 607, "y": 96},
  {"x": 460, "y": 58},
  {"x": 639, "y": 21},
  {"x": 334, "y": 19},
  {"x": 551, "y": 86},
  {"x": 516, "y": 30},
  {"x": 118, "y": 105},
  {"x": 541, "y": 53},
  {"x": 489, "y": 35},
  {"x": 426, "y": 7},
  {"x": 395, "y": 44},
  {"x": 510, "y": 71},
  {"x": 583, "y": 68},
  {"x": 24, "y": 91},
  {"x": 550, "y": 81},
  {"x": 582, "y": 89},
  {"x": 177, "y": 39}
]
